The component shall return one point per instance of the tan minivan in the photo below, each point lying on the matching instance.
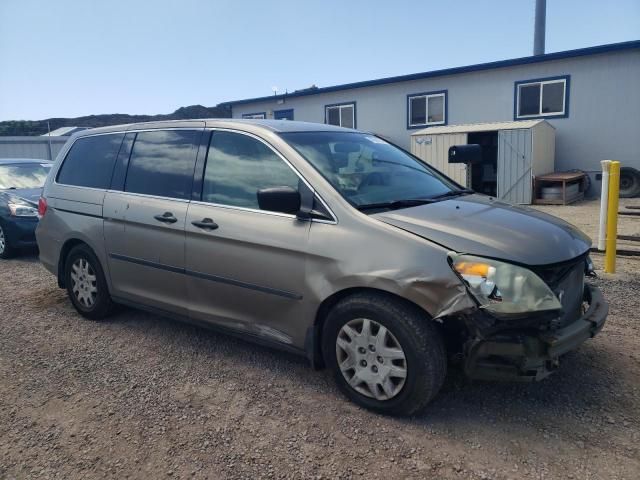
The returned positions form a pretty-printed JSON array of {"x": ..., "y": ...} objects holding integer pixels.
[{"x": 324, "y": 241}]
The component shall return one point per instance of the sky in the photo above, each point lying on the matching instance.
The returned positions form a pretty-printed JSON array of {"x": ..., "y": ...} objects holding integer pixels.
[{"x": 67, "y": 58}]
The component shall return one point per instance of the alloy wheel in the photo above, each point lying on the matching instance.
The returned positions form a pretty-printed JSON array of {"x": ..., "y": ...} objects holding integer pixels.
[
  {"x": 371, "y": 359},
  {"x": 84, "y": 282}
]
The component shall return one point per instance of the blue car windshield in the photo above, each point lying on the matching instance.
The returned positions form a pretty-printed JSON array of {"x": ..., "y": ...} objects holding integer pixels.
[
  {"x": 368, "y": 171},
  {"x": 23, "y": 175}
]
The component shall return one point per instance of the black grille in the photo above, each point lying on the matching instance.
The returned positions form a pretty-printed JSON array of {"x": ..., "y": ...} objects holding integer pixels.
[{"x": 567, "y": 282}]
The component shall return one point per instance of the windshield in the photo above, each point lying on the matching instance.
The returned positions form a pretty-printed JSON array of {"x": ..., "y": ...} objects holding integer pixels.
[
  {"x": 23, "y": 175},
  {"x": 370, "y": 172}
]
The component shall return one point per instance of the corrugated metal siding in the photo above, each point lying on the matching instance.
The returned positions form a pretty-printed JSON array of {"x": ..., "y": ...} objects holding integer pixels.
[
  {"x": 31, "y": 147},
  {"x": 434, "y": 150},
  {"x": 518, "y": 157},
  {"x": 544, "y": 149},
  {"x": 514, "y": 166}
]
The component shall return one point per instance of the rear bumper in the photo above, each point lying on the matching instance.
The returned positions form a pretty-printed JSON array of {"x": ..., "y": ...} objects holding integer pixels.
[
  {"x": 531, "y": 357},
  {"x": 20, "y": 231}
]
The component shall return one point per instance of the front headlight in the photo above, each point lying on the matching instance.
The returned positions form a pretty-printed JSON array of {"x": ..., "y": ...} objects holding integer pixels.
[
  {"x": 503, "y": 288},
  {"x": 21, "y": 210}
]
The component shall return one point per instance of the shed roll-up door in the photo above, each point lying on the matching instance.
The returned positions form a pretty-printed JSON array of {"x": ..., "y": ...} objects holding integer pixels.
[
  {"x": 514, "y": 166},
  {"x": 434, "y": 149}
]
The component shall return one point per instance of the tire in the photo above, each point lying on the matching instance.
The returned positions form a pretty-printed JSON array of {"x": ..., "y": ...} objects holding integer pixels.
[
  {"x": 629, "y": 182},
  {"x": 91, "y": 298},
  {"x": 408, "y": 328},
  {"x": 6, "y": 250}
]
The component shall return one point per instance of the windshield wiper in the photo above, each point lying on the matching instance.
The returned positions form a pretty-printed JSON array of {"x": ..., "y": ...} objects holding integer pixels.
[
  {"x": 409, "y": 202},
  {"x": 453, "y": 193}
]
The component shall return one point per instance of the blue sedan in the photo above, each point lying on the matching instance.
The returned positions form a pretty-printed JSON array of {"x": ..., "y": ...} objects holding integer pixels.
[{"x": 21, "y": 182}]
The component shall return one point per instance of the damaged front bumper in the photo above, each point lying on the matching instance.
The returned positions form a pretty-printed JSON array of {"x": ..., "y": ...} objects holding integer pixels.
[{"x": 530, "y": 356}]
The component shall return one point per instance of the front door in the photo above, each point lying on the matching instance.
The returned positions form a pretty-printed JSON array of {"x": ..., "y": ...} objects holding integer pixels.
[
  {"x": 514, "y": 166},
  {"x": 246, "y": 266},
  {"x": 145, "y": 223}
]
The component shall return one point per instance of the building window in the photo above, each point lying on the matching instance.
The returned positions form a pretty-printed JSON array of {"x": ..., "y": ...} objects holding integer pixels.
[
  {"x": 259, "y": 115},
  {"x": 341, "y": 115},
  {"x": 283, "y": 114},
  {"x": 425, "y": 109},
  {"x": 546, "y": 97}
]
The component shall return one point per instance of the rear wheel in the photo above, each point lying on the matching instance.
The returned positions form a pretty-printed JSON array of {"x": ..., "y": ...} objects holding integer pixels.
[
  {"x": 385, "y": 355},
  {"x": 6, "y": 250},
  {"x": 86, "y": 284}
]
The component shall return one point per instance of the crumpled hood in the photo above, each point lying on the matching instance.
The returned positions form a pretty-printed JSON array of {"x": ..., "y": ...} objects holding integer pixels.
[
  {"x": 23, "y": 195},
  {"x": 478, "y": 225}
]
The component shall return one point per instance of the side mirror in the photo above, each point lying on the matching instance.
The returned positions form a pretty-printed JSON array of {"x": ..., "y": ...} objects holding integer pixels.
[{"x": 279, "y": 199}]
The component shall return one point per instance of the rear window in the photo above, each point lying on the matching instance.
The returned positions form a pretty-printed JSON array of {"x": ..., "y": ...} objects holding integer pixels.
[
  {"x": 90, "y": 161},
  {"x": 23, "y": 175},
  {"x": 162, "y": 163}
]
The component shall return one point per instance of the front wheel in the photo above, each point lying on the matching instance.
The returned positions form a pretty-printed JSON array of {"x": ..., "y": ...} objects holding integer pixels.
[
  {"x": 6, "y": 250},
  {"x": 386, "y": 355}
]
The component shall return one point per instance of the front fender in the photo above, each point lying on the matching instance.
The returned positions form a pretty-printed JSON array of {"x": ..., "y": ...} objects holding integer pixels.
[{"x": 438, "y": 293}]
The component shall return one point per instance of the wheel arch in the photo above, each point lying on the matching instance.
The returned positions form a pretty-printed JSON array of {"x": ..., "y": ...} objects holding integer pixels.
[
  {"x": 313, "y": 341},
  {"x": 67, "y": 246}
]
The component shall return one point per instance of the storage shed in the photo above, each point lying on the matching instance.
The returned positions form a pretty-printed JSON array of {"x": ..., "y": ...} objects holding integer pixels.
[{"x": 512, "y": 154}]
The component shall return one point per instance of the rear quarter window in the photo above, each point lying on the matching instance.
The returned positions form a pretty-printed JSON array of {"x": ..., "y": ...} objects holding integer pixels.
[{"x": 90, "y": 161}]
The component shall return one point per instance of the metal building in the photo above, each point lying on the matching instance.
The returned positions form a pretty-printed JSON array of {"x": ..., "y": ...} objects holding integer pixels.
[
  {"x": 590, "y": 96},
  {"x": 513, "y": 153},
  {"x": 45, "y": 148}
]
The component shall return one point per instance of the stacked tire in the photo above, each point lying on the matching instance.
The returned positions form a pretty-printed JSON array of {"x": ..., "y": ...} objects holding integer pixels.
[{"x": 629, "y": 182}]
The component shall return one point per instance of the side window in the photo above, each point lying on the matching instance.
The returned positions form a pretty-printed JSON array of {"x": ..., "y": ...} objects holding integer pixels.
[
  {"x": 162, "y": 163},
  {"x": 342, "y": 115},
  {"x": 90, "y": 161},
  {"x": 542, "y": 98},
  {"x": 283, "y": 114},
  {"x": 120, "y": 170},
  {"x": 238, "y": 166},
  {"x": 258, "y": 116},
  {"x": 427, "y": 109}
]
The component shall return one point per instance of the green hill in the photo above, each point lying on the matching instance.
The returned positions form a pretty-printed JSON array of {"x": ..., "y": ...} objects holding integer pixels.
[{"x": 39, "y": 127}]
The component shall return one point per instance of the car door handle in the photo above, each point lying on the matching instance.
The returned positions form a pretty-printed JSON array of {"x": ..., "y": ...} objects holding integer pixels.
[
  {"x": 166, "y": 217},
  {"x": 205, "y": 224}
]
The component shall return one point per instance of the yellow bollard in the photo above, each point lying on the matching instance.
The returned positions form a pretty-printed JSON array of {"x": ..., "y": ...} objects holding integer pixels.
[{"x": 612, "y": 218}]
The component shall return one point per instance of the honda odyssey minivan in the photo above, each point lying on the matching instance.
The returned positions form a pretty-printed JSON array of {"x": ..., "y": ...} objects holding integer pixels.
[{"x": 323, "y": 241}]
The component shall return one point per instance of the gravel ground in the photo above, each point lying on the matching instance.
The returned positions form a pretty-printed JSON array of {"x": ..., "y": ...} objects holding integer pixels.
[{"x": 143, "y": 397}]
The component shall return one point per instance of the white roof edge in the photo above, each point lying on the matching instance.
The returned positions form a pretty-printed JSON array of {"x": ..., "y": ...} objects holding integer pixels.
[
  {"x": 481, "y": 127},
  {"x": 59, "y": 132}
]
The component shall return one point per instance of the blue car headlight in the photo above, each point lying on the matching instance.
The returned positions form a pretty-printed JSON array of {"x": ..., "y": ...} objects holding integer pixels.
[{"x": 22, "y": 210}]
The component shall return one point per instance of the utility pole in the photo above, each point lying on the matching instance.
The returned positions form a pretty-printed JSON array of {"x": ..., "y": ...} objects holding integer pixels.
[
  {"x": 540, "y": 27},
  {"x": 49, "y": 137}
]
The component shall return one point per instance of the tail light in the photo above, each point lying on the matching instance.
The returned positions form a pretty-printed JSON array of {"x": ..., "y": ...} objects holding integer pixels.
[{"x": 42, "y": 207}]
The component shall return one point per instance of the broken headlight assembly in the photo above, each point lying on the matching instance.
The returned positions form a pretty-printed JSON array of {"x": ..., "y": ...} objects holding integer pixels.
[{"x": 503, "y": 288}]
